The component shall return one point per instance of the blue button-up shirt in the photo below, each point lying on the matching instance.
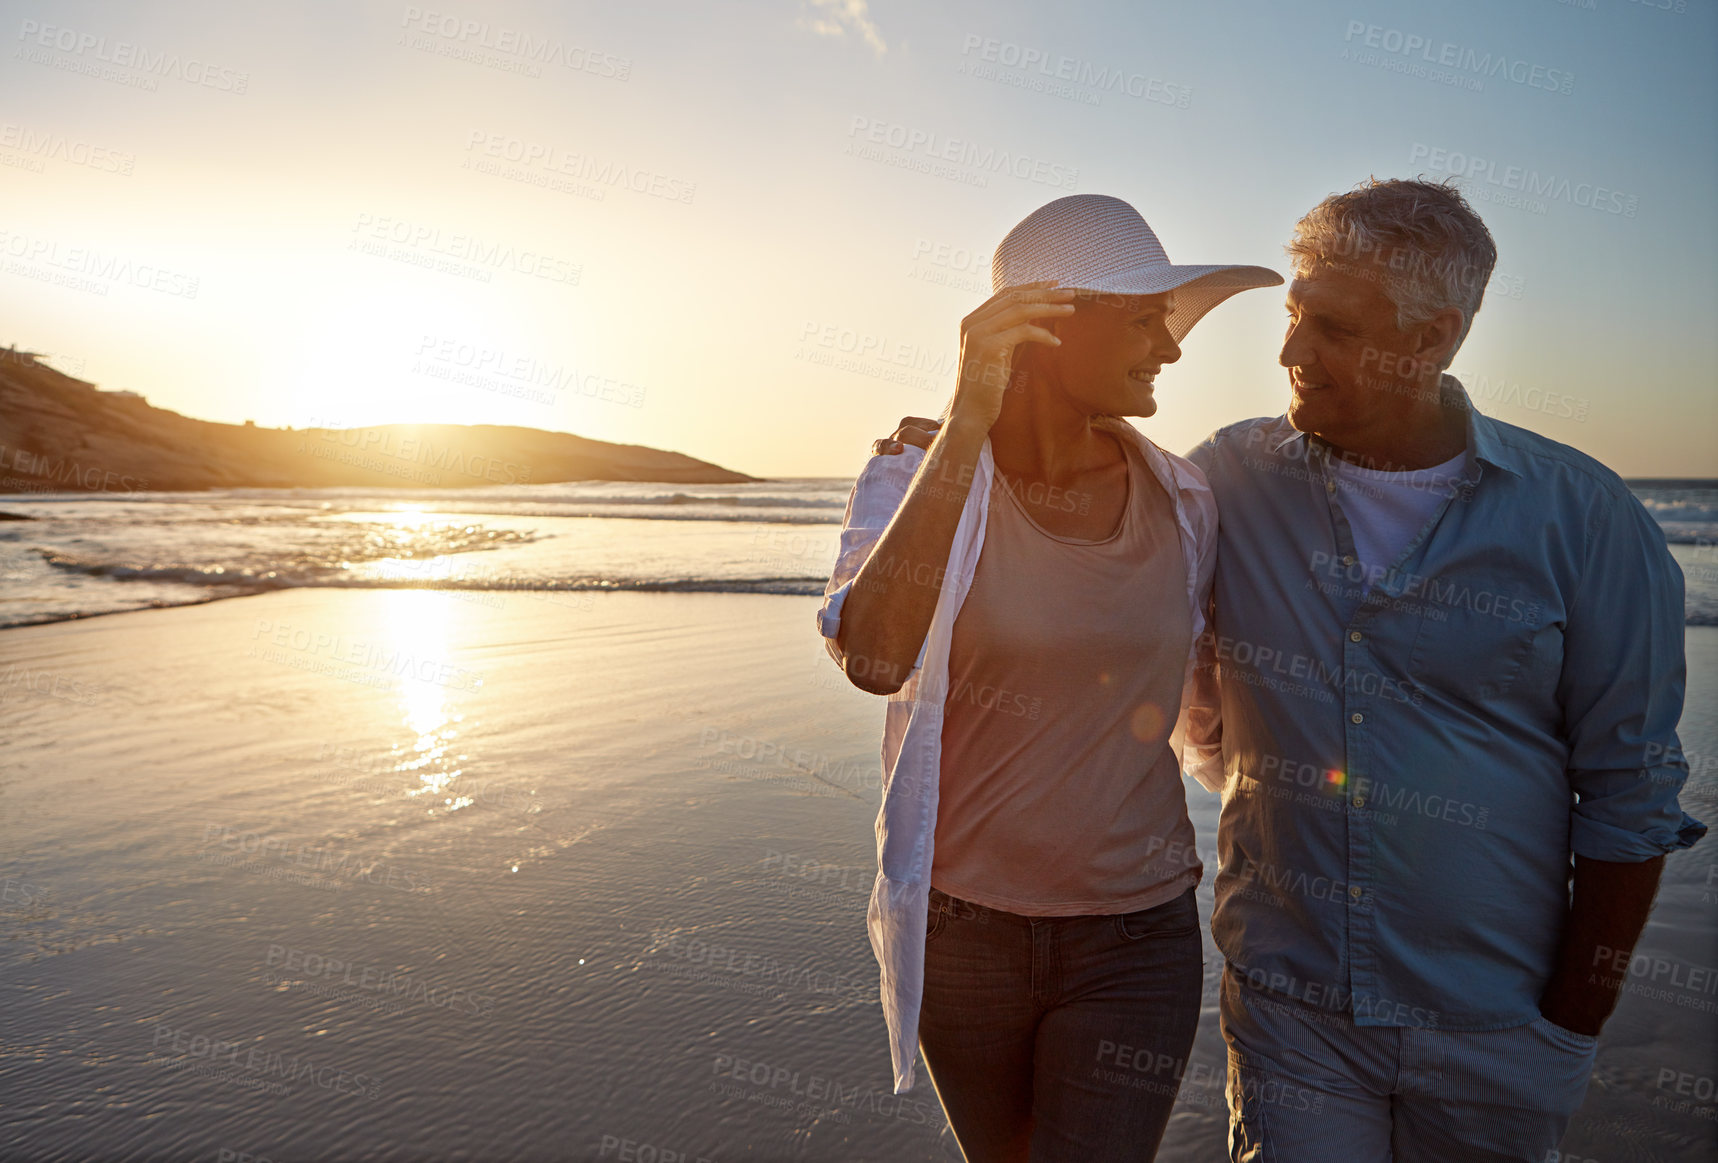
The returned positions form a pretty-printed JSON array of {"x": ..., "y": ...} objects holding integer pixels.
[{"x": 1413, "y": 751}]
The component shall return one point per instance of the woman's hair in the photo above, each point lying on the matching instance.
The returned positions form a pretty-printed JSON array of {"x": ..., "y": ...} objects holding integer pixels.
[{"x": 1420, "y": 241}]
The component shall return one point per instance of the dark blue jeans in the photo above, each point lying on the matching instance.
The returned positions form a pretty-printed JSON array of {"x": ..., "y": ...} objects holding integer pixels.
[{"x": 1059, "y": 1038}]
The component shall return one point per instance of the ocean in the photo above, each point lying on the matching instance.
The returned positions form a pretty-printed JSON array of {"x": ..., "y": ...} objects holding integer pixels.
[{"x": 87, "y": 554}]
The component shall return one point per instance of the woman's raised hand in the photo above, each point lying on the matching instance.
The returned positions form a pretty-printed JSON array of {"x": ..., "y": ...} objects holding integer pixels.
[{"x": 987, "y": 340}]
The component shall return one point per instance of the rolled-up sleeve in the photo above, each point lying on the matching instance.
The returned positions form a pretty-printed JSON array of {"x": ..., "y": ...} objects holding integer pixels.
[
  {"x": 1202, "y": 755},
  {"x": 876, "y": 495},
  {"x": 1622, "y": 691}
]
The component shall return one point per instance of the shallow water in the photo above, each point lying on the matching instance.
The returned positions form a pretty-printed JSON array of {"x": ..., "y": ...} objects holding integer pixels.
[{"x": 537, "y": 892}]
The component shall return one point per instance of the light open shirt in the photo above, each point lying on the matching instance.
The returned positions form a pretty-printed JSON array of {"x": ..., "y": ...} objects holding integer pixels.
[{"x": 912, "y": 729}]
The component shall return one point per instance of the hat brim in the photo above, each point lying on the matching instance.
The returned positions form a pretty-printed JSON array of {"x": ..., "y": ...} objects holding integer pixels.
[{"x": 1197, "y": 288}]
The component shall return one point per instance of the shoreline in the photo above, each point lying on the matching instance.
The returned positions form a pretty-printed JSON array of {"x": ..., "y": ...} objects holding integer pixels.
[{"x": 473, "y": 594}]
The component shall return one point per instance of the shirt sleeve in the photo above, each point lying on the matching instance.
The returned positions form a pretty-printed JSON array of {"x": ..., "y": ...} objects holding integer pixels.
[
  {"x": 1202, "y": 748},
  {"x": 1204, "y": 453},
  {"x": 1202, "y": 745},
  {"x": 1622, "y": 691},
  {"x": 877, "y": 493},
  {"x": 1203, "y": 753}
]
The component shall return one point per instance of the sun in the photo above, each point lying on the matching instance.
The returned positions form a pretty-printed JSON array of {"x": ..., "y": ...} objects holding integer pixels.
[{"x": 360, "y": 352}]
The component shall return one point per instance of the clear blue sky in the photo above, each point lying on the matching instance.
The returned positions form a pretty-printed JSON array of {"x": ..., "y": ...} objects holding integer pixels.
[{"x": 685, "y": 225}]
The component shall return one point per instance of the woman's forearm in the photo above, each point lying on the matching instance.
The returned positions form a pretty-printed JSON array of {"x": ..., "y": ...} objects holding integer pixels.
[{"x": 894, "y": 596}]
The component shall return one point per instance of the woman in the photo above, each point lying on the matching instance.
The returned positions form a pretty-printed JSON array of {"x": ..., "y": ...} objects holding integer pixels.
[{"x": 1028, "y": 592}]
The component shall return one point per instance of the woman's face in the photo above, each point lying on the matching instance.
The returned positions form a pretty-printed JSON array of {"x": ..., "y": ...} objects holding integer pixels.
[{"x": 1112, "y": 348}]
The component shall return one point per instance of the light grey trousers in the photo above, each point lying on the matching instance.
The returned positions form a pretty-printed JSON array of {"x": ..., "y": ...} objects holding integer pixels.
[{"x": 1307, "y": 1085}]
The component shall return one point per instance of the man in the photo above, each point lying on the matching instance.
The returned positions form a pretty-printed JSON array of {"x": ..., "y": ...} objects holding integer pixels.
[{"x": 1449, "y": 657}]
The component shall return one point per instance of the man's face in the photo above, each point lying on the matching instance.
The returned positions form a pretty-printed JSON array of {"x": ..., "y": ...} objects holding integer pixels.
[
  {"x": 1351, "y": 368},
  {"x": 1112, "y": 348}
]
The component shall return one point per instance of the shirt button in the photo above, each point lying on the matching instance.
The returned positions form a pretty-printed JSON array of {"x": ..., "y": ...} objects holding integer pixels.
[
  {"x": 1355, "y": 635},
  {"x": 1354, "y": 891},
  {"x": 1330, "y": 486},
  {"x": 1359, "y": 801},
  {"x": 1348, "y": 559},
  {"x": 1357, "y": 717}
]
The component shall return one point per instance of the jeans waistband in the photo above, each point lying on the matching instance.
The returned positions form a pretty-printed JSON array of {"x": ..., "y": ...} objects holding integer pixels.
[{"x": 938, "y": 898}]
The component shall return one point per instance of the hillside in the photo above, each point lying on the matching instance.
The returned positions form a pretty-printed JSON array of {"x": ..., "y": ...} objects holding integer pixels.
[{"x": 60, "y": 433}]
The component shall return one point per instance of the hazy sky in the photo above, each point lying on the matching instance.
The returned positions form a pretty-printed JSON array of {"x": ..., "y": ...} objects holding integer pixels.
[{"x": 749, "y": 231}]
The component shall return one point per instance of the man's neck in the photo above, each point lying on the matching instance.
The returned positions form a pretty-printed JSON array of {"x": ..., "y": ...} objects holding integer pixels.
[{"x": 1421, "y": 439}]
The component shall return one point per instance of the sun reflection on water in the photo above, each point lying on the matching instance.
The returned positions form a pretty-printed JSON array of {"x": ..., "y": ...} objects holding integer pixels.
[{"x": 418, "y": 625}]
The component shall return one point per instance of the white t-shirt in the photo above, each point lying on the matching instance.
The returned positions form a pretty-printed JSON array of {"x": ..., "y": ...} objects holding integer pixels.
[{"x": 1386, "y": 509}]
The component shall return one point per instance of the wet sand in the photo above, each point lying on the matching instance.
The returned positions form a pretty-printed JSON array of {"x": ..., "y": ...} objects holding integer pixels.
[{"x": 412, "y": 875}]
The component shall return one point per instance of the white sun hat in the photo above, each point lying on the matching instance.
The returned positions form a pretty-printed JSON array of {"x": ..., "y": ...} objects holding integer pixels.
[{"x": 1093, "y": 242}]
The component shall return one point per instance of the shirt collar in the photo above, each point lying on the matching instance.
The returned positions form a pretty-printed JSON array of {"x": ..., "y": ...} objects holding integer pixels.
[
  {"x": 1170, "y": 471},
  {"x": 1483, "y": 441}
]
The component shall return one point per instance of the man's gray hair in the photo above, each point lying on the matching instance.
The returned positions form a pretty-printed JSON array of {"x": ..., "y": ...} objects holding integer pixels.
[{"x": 1419, "y": 240}]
